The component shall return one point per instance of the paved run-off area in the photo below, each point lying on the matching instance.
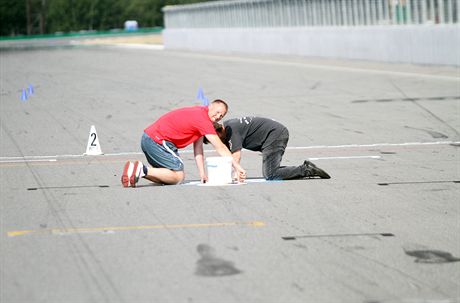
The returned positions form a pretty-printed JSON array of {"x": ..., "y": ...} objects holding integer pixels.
[{"x": 385, "y": 228}]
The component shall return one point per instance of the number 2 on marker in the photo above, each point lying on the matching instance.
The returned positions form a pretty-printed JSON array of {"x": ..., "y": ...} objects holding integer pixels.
[{"x": 94, "y": 140}]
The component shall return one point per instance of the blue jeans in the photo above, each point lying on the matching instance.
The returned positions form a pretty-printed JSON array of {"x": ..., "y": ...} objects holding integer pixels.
[
  {"x": 161, "y": 156},
  {"x": 272, "y": 156}
]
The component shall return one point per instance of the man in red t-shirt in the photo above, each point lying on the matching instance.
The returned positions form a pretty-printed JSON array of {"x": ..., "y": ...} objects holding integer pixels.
[{"x": 177, "y": 129}]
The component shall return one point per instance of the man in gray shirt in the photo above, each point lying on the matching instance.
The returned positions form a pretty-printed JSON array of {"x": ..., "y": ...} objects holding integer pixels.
[{"x": 270, "y": 138}]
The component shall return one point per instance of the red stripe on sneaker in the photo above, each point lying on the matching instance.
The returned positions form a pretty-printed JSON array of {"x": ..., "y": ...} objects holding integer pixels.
[{"x": 124, "y": 176}]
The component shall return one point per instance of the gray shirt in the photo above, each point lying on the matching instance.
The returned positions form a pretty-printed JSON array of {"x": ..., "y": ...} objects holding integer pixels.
[{"x": 253, "y": 133}]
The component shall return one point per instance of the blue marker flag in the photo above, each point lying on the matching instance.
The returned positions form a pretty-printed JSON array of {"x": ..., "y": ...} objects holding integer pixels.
[
  {"x": 200, "y": 96},
  {"x": 24, "y": 95},
  {"x": 31, "y": 90}
]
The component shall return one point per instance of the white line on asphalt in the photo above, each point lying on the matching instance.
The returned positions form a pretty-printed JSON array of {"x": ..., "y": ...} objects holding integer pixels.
[
  {"x": 137, "y": 46},
  {"x": 321, "y": 66},
  {"x": 345, "y": 157},
  {"x": 377, "y": 145},
  {"x": 188, "y": 151},
  {"x": 28, "y": 160}
]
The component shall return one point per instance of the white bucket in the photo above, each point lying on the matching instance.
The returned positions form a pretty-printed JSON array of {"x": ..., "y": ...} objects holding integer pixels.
[{"x": 219, "y": 170}]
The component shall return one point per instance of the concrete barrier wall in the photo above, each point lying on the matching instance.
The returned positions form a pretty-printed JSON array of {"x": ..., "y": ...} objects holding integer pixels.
[{"x": 438, "y": 45}]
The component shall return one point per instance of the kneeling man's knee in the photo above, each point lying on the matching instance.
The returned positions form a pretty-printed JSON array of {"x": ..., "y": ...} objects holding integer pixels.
[{"x": 180, "y": 176}]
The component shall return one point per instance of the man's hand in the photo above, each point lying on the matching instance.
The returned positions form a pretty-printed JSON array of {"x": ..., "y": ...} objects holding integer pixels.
[
  {"x": 204, "y": 178},
  {"x": 241, "y": 174}
]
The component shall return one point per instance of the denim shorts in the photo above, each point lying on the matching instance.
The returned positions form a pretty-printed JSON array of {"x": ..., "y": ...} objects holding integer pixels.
[{"x": 161, "y": 156}]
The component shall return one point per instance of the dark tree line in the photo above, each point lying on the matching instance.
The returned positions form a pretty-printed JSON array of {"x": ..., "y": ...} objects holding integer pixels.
[{"x": 27, "y": 17}]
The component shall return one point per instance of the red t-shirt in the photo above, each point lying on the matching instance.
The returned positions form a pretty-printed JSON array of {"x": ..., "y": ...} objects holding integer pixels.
[{"x": 181, "y": 126}]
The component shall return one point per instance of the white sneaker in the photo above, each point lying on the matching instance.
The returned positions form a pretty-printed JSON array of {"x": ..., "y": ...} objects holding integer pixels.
[{"x": 138, "y": 170}]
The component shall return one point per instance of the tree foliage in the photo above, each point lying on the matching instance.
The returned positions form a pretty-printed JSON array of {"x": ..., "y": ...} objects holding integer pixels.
[
  {"x": 12, "y": 17},
  {"x": 20, "y": 17}
]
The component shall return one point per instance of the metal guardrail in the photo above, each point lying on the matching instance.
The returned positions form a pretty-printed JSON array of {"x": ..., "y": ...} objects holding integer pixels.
[{"x": 302, "y": 13}]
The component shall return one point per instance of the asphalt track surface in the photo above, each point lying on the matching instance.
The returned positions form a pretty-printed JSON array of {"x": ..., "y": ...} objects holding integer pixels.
[{"x": 385, "y": 228}]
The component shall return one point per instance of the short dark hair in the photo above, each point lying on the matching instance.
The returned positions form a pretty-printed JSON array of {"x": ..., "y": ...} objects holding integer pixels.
[{"x": 221, "y": 133}]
